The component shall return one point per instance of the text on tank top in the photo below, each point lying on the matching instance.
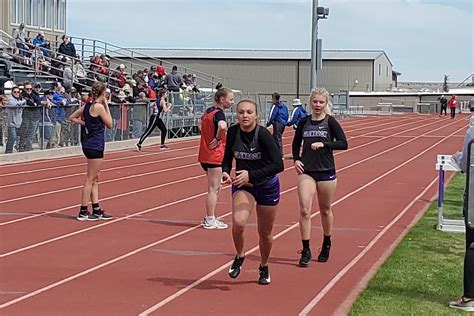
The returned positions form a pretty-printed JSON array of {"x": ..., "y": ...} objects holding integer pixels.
[
  {"x": 321, "y": 159},
  {"x": 244, "y": 151}
]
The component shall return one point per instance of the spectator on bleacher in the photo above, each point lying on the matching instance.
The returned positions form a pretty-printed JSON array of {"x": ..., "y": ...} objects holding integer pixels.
[
  {"x": 80, "y": 74},
  {"x": 41, "y": 42},
  {"x": 68, "y": 76},
  {"x": 30, "y": 117},
  {"x": 103, "y": 63},
  {"x": 188, "y": 79},
  {"x": 153, "y": 85},
  {"x": 133, "y": 85},
  {"x": 57, "y": 66},
  {"x": 160, "y": 70},
  {"x": 173, "y": 80},
  {"x": 20, "y": 37},
  {"x": 142, "y": 85},
  {"x": 67, "y": 48},
  {"x": 14, "y": 117},
  {"x": 118, "y": 77},
  {"x": 46, "y": 124}
]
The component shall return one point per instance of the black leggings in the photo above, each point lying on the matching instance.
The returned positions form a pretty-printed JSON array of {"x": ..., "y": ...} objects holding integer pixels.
[
  {"x": 445, "y": 109},
  {"x": 155, "y": 121},
  {"x": 453, "y": 112}
]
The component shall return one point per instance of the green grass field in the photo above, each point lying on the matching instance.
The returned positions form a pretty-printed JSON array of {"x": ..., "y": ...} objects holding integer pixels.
[{"x": 425, "y": 271}]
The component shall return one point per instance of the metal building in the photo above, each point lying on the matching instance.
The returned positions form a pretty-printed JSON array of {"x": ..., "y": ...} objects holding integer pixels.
[
  {"x": 286, "y": 71},
  {"x": 48, "y": 16}
]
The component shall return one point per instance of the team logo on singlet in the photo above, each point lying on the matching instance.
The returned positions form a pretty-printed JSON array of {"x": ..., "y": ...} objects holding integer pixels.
[
  {"x": 315, "y": 133},
  {"x": 247, "y": 156}
]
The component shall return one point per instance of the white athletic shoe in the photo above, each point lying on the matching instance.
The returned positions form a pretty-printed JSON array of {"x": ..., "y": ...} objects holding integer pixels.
[
  {"x": 213, "y": 224},
  {"x": 138, "y": 147}
]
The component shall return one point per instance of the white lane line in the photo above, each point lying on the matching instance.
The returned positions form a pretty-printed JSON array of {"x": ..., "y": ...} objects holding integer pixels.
[
  {"x": 197, "y": 282},
  {"x": 75, "y": 205},
  {"x": 101, "y": 171},
  {"x": 357, "y": 258},
  {"x": 137, "y": 175},
  {"x": 214, "y": 272},
  {"x": 135, "y": 156}
]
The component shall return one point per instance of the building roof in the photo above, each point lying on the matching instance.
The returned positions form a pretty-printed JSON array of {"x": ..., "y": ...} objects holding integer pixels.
[{"x": 279, "y": 54}]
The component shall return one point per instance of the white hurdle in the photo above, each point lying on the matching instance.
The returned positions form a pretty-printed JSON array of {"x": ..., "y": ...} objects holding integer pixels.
[{"x": 443, "y": 164}]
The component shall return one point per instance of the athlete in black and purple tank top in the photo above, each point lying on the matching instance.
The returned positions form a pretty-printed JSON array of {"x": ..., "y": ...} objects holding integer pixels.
[
  {"x": 320, "y": 134},
  {"x": 93, "y": 118},
  {"x": 258, "y": 161}
]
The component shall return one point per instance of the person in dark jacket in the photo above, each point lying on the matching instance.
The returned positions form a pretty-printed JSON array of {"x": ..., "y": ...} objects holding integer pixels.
[
  {"x": 278, "y": 118},
  {"x": 67, "y": 48},
  {"x": 30, "y": 117},
  {"x": 297, "y": 114}
]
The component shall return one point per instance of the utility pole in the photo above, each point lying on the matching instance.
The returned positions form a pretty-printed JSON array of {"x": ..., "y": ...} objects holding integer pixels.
[{"x": 316, "y": 44}]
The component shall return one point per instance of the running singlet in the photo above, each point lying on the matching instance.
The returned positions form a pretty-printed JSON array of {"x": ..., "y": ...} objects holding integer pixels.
[
  {"x": 208, "y": 132},
  {"x": 158, "y": 109},
  {"x": 254, "y": 151},
  {"x": 94, "y": 130},
  {"x": 329, "y": 132}
]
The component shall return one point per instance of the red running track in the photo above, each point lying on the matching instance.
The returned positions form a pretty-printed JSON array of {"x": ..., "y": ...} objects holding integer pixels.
[{"x": 153, "y": 258}]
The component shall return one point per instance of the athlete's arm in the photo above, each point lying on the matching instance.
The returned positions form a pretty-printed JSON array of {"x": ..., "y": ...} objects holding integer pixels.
[
  {"x": 76, "y": 117},
  {"x": 228, "y": 155},
  {"x": 297, "y": 140},
  {"x": 269, "y": 147},
  {"x": 340, "y": 142},
  {"x": 104, "y": 113}
]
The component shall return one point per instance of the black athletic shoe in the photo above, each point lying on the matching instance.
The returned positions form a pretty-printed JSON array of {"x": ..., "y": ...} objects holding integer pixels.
[
  {"x": 324, "y": 253},
  {"x": 102, "y": 216},
  {"x": 236, "y": 266},
  {"x": 83, "y": 216},
  {"x": 305, "y": 257},
  {"x": 264, "y": 278}
]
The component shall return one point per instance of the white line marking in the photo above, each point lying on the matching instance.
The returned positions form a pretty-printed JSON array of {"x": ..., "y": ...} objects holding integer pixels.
[
  {"x": 184, "y": 290},
  {"x": 195, "y": 164},
  {"x": 356, "y": 259},
  {"x": 149, "y": 210},
  {"x": 214, "y": 272},
  {"x": 134, "y": 156}
]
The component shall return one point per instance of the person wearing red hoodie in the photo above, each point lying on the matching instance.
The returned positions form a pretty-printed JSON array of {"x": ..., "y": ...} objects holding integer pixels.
[{"x": 453, "y": 103}]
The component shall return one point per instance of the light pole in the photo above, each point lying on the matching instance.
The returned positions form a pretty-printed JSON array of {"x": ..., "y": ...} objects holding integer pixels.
[{"x": 316, "y": 44}]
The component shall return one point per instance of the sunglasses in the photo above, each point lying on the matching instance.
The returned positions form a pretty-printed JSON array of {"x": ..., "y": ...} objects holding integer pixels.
[
  {"x": 28, "y": 89},
  {"x": 16, "y": 91}
]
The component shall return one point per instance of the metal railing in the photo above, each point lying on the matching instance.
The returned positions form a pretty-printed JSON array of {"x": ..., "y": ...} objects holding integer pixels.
[
  {"x": 87, "y": 48},
  {"x": 46, "y": 127}
]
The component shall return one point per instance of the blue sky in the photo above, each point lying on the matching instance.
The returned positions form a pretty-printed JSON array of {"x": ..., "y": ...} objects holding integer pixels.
[{"x": 425, "y": 39}]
